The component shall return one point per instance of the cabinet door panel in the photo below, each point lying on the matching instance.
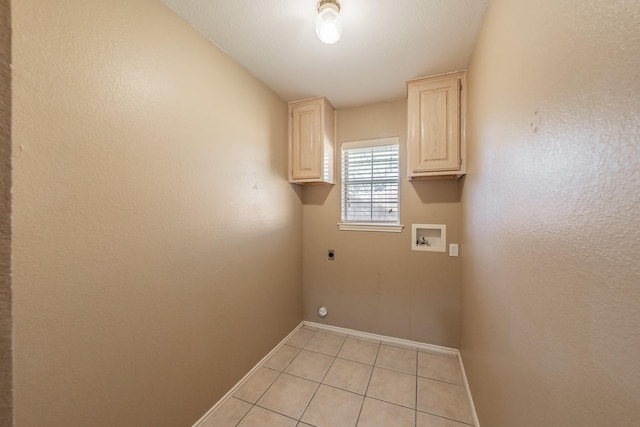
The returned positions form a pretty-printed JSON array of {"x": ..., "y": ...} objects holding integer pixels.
[
  {"x": 434, "y": 133},
  {"x": 433, "y": 126},
  {"x": 307, "y": 140}
]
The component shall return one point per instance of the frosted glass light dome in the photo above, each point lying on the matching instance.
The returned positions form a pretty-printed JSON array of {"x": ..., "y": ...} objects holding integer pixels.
[{"x": 329, "y": 23}]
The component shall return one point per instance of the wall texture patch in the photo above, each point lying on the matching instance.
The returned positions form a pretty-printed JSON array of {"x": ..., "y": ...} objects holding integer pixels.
[
  {"x": 551, "y": 240},
  {"x": 6, "y": 392}
]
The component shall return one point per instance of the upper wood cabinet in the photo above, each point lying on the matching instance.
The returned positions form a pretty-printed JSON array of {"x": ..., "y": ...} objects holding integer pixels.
[
  {"x": 312, "y": 128},
  {"x": 436, "y": 146}
]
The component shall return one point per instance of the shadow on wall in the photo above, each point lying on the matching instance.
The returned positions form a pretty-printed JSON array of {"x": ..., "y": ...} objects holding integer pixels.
[
  {"x": 299, "y": 191},
  {"x": 316, "y": 194},
  {"x": 449, "y": 191}
]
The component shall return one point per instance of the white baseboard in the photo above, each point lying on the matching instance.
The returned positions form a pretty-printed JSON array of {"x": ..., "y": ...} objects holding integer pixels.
[
  {"x": 246, "y": 377},
  {"x": 476, "y": 422},
  {"x": 382, "y": 338}
]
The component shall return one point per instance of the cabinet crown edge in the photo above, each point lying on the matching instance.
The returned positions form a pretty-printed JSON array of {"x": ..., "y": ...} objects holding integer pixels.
[
  {"x": 460, "y": 74},
  {"x": 312, "y": 99}
]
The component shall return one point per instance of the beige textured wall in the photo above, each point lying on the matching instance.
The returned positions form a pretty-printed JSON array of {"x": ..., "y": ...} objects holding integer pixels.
[
  {"x": 551, "y": 241},
  {"x": 157, "y": 250},
  {"x": 376, "y": 282},
  {"x": 5, "y": 215}
]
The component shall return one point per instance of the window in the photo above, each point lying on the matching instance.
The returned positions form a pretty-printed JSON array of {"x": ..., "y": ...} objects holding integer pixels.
[{"x": 371, "y": 185}]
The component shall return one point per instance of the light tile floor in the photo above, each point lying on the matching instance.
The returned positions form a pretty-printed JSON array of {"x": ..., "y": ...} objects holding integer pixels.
[{"x": 323, "y": 379}]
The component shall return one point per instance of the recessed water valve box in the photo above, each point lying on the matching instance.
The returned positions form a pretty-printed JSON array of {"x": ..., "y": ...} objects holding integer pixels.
[{"x": 429, "y": 237}]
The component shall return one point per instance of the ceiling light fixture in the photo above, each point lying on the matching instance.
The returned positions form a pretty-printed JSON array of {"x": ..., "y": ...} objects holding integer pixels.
[{"x": 329, "y": 22}]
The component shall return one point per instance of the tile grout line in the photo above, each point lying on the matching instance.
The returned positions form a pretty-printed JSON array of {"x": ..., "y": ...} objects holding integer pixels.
[
  {"x": 395, "y": 404},
  {"x": 249, "y": 374},
  {"x": 253, "y": 405},
  {"x": 368, "y": 382},
  {"x": 283, "y": 372},
  {"x": 274, "y": 381},
  {"x": 321, "y": 382},
  {"x": 265, "y": 391},
  {"x": 322, "y": 379},
  {"x": 441, "y": 381},
  {"x": 278, "y": 413},
  {"x": 397, "y": 369},
  {"x": 415, "y": 414},
  {"x": 383, "y": 368},
  {"x": 346, "y": 337}
]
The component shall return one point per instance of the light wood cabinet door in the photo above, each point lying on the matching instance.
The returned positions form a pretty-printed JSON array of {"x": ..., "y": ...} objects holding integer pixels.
[
  {"x": 311, "y": 141},
  {"x": 435, "y": 138}
]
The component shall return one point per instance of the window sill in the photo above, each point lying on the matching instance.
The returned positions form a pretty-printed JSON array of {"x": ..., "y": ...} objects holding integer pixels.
[{"x": 386, "y": 228}]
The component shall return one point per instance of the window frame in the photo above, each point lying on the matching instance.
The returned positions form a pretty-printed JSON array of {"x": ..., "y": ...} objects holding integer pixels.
[{"x": 393, "y": 227}]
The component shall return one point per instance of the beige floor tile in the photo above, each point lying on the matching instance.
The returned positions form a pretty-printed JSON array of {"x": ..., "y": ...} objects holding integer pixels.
[
  {"x": 349, "y": 375},
  {"x": 359, "y": 338},
  {"x": 438, "y": 353},
  {"x": 281, "y": 358},
  {"x": 427, "y": 420},
  {"x": 310, "y": 365},
  {"x": 376, "y": 413},
  {"x": 288, "y": 395},
  {"x": 402, "y": 345},
  {"x": 331, "y": 407},
  {"x": 442, "y": 368},
  {"x": 300, "y": 338},
  {"x": 444, "y": 399},
  {"x": 259, "y": 417},
  {"x": 393, "y": 387},
  {"x": 359, "y": 351},
  {"x": 256, "y": 385},
  {"x": 227, "y": 414},
  {"x": 398, "y": 359},
  {"x": 324, "y": 342}
]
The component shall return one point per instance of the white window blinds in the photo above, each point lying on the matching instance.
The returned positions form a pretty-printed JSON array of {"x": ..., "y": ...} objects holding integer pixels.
[{"x": 371, "y": 181}]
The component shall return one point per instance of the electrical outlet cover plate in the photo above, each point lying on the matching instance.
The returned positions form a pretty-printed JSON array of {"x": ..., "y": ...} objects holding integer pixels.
[{"x": 453, "y": 249}]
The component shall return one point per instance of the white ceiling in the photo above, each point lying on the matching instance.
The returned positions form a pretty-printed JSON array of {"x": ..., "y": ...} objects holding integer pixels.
[{"x": 384, "y": 43}]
